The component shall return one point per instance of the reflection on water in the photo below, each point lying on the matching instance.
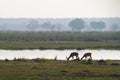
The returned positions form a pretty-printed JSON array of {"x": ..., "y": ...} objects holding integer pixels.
[{"x": 61, "y": 54}]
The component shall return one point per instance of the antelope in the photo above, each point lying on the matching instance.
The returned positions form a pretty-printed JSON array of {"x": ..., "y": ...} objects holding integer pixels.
[
  {"x": 72, "y": 55},
  {"x": 87, "y": 55}
]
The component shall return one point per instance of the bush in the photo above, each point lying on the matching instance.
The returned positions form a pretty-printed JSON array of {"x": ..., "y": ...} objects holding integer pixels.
[
  {"x": 114, "y": 64},
  {"x": 101, "y": 62},
  {"x": 21, "y": 59},
  {"x": 89, "y": 61},
  {"x": 39, "y": 60},
  {"x": 15, "y": 59},
  {"x": 34, "y": 67},
  {"x": 6, "y": 59},
  {"x": 115, "y": 75}
]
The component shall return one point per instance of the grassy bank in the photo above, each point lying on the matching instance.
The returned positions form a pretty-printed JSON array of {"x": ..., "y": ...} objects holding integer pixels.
[
  {"x": 59, "y": 45},
  {"x": 41, "y": 69}
]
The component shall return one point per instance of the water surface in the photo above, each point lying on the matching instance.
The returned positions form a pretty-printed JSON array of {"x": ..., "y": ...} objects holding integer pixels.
[{"x": 61, "y": 54}]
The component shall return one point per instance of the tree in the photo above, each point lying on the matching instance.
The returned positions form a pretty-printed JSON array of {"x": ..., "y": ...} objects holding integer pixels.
[
  {"x": 32, "y": 25},
  {"x": 47, "y": 25},
  {"x": 58, "y": 26},
  {"x": 97, "y": 25},
  {"x": 77, "y": 24},
  {"x": 115, "y": 27}
]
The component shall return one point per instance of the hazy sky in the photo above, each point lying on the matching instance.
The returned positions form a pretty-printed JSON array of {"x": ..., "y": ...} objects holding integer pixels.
[{"x": 59, "y": 8}]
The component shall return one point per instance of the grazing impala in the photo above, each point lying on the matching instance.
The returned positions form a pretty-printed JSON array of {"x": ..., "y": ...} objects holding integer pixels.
[
  {"x": 72, "y": 55},
  {"x": 87, "y": 55}
]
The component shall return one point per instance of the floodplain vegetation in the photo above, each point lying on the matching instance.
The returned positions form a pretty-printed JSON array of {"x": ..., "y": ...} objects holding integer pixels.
[
  {"x": 44, "y": 69},
  {"x": 60, "y": 40}
]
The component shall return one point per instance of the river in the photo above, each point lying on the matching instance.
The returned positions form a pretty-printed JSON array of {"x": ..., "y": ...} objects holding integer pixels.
[{"x": 61, "y": 54}]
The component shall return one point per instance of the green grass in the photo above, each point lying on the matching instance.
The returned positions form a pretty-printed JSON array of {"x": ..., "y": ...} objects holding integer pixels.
[
  {"x": 59, "y": 45},
  {"x": 42, "y": 69}
]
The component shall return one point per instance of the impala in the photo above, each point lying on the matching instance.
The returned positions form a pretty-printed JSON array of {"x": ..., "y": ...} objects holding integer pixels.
[
  {"x": 72, "y": 55},
  {"x": 87, "y": 55}
]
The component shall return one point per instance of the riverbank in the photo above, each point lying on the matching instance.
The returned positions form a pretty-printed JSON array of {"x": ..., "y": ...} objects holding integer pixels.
[
  {"x": 60, "y": 45},
  {"x": 43, "y": 69}
]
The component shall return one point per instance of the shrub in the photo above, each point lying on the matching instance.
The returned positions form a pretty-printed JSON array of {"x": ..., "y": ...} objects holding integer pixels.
[
  {"x": 21, "y": 59},
  {"x": 39, "y": 60},
  {"x": 115, "y": 75},
  {"x": 89, "y": 61},
  {"x": 114, "y": 64},
  {"x": 15, "y": 59},
  {"x": 101, "y": 62},
  {"x": 34, "y": 67},
  {"x": 6, "y": 59}
]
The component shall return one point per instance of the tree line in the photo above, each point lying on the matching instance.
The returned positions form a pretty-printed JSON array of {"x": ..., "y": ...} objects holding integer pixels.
[
  {"x": 59, "y": 36},
  {"x": 77, "y": 24},
  {"x": 60, "y": 24}
]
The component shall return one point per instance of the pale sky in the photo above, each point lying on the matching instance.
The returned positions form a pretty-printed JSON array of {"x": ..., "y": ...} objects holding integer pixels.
[{"x": 59, "y": 8}]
